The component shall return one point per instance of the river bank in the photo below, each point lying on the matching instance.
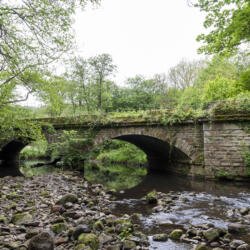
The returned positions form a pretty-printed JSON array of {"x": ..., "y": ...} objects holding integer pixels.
[{"x": 80, "y": 215}]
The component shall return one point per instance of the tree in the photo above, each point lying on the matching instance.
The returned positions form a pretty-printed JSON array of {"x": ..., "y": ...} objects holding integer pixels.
[
  {"x": 217, "y": 67},
  {"x": 33, "y": 34},
  {"x": 184, "y": 73},
  {"x": 101, "y": 67},
  {"x": 53, "y": 94},
  {"x": 228, "y": 22},
  {"x": 220, "y": 89},
  {"x": 78, "y": 84}
]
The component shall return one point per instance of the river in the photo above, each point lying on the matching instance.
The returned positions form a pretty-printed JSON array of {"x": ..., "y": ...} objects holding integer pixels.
[{"x": 199, "y": 202}]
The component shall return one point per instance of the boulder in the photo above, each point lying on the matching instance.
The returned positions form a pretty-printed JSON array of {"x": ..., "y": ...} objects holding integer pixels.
[
  {"x": 176, "y": 234},
  {"x": 236, "y": 243},
  {"x": 42, "y": 241}
]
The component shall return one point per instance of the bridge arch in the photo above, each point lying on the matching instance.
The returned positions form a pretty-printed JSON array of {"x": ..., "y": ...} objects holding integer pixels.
[
  {"x": 165, "y": 152},
  {"x": 9, "y": 158}
]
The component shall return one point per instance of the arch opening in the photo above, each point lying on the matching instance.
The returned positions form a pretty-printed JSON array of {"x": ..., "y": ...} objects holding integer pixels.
[
  {"x": 161, "y": 156},
  {"x": 9, "y": 158}
]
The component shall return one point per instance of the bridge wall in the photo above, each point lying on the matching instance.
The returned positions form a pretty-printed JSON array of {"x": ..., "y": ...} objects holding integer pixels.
[{"x": 225, "y": 144}]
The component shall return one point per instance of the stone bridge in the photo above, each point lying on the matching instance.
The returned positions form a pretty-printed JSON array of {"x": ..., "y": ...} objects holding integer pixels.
[{"x": 206, "y": 148}]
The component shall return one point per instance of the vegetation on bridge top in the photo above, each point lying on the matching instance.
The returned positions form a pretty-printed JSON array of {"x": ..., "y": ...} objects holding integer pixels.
[{"x": 231, "y": 109}]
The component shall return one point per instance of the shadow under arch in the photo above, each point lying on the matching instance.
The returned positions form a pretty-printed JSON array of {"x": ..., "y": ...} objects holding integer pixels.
[
  {"x": 9, "y": 158},
  {"x": 161, "y": 155}
]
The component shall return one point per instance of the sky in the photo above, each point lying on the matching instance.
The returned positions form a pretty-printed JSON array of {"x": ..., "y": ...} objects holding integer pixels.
[{"x": 142, "y": 36}]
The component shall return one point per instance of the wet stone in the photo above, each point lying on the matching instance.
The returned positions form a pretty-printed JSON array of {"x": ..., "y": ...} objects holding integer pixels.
[
  {"x": 244, "y": 247},
  {"x": 176, "y": 234},
  {"x": 160, "y": 237},
  {"x": 236, "y": 228},
  {"x": 236, "y": 243},
  {"x": 211, "y": 234}
]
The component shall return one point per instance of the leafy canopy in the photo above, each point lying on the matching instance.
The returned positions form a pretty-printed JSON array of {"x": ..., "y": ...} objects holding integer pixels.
[{"x": 228, "y": 22}]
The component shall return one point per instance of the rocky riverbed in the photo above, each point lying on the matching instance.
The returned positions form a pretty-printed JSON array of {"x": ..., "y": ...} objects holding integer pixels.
[{"x": 64, "y": 211}]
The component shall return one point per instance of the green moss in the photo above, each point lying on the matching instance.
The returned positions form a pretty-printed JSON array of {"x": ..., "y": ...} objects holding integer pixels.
[
  {"x": 59, "y": 228},
  {"x": 89, "y": 239},
  {"x": 176, "y": 234},
  {"x": 151, "y": 197},
  {"x": 67, "y": 198},
  {"x": 98, "y": 225},
  {"x": 3, "y": 219},
  {"x": 124, "y": 227},
  {"x": 21, "y": 218},
  {"x": 223, "y": 175}
]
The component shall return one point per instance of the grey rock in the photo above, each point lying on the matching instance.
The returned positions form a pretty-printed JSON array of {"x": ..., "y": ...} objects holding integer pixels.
[
  {"x": 236, "y": 228},
  {"x": 79, "y": 230},
  {"x": 236, "y": 243},
  {"x": 244, "y": 247},
  {"x": 42, "y": 241}
]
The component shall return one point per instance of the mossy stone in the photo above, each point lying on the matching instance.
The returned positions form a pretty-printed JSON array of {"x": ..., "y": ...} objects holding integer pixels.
[
  {"x": 89, "y": 239},
  {"x": 129, "y": 244},
  {"x": 151, "y": 197},
  {"x": 21, "y": 218},
  {"x": 211, "y": 234},
  {"x": 176, "y": 234},
  {"x": 202, "y": 247},
  {"x": 3, "y": 219},
  {"x": 98, "y": 225},
  {"x": 160, "y": 237},
  {"x": 67, "y": 198},
  {"x": 58, "y": 228},
  {"x": 82, "y": 247}
]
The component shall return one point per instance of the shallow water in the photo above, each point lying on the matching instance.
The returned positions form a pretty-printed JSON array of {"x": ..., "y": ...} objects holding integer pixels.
[{"x": 203, "y": 201}]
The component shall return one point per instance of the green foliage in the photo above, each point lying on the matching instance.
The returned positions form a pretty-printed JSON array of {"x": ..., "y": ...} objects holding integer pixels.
[
  {"x": 223, "y": 175},
  {"x": 191, "y": 97},
  {"x": 35, "y": 150},
  {"x": 121, "y": 152},
  {"x": 228, "y": 22},
  {"x": 12, "y": 125},
  {"x": 245, "y": 79},
  {"x": 237, "y": 106},
  {"x": 71, "y": 149},
  {"x": 220, "y": 89}
]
